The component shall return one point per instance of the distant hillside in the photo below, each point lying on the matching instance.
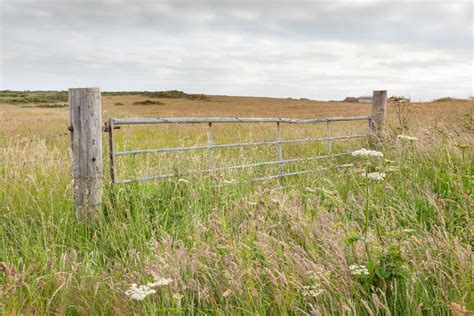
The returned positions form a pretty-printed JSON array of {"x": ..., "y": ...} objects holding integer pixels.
[
  {"x": 56, "y": 97},
  {"x": 449, "y": 99}
]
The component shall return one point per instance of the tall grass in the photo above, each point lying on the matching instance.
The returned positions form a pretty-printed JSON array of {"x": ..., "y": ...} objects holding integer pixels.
[{"x": 247, "y": 248}]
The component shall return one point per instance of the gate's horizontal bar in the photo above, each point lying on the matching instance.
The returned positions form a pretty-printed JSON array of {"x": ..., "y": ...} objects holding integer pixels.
[
  {"x": 273, "y": 142},
  {"x": 124, "y": 121},
  {"x": 286, "y": 174},
  {"x": 319, "y": 169},
  {"x": 266, "y": 163}
]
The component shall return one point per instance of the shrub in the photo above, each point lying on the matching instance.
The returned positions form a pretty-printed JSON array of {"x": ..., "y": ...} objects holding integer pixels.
[
  {"x": 52, "y": 106},
  {"x": 148, "y": 102},
  {"x": 175, "y": 94},
  {"x": 49, "y": 97}
]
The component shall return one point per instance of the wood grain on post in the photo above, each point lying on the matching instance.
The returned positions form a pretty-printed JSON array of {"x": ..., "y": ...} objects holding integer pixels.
[
  {"x": 86, "y": 141},
  {"x": 379, "y": 112}
]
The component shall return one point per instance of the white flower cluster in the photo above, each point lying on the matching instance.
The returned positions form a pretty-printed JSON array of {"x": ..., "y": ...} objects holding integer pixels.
[
  {"x": 160, "y": 282},
  {"x": 314, "y": 290},
  {"x": 407, "y": 138},
  {"x": 139, "y": 292},
  {"x": 178, "y": 296},
  {"x": 358, "y": 269},
  {"x": 367, "y": 153},
  {"x": 378, "y": 176}
]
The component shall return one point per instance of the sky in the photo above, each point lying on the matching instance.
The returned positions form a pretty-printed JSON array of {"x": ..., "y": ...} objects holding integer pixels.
[{"x": 303, "y": 49}]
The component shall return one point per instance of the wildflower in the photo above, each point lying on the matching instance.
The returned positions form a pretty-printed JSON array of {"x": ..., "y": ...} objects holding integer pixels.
[
  {"x": 160, "y": 282},
  {"x": 367, "y": 153},
  {"x": 139, "y": 293},
  {"x": 317, "y": 275},
  {"x": 407, "y": 138},
  {"x": 178, "y": 296},
  {"x": 358, "y": 269},
  {"x": 314, "y": 290},
  {"x": 376, "y": 176},
  {"x": 392, "y": 169}
]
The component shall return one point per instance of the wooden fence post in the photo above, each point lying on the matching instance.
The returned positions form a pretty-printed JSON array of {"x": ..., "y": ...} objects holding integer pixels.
[
  {"x": 379, "y": 112},
  {"x": 85, "y": 116}
]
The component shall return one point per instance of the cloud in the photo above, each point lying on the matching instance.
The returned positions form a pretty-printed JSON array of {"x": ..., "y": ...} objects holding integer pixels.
[{"x": 316, "y": 49}]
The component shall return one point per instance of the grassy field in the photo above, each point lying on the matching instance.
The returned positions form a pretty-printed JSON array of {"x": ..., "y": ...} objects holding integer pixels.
[{"x": 332, "y": 242}]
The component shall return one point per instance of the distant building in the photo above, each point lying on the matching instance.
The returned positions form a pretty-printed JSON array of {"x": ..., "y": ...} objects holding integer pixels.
[{"x": 364, "y": 99}]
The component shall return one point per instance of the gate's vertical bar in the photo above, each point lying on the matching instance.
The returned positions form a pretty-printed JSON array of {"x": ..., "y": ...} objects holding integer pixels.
[
  {"x": 329, "y": 138},
  {"x": 280, "y": 153},
  {"x": 111, "y": 149},
  {"x": 211, "y": 149},
  {"x": 86, "y": 143}
]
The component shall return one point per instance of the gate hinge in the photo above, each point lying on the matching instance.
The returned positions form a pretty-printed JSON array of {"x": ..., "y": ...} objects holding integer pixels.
[{"x": 107, "y": 128}]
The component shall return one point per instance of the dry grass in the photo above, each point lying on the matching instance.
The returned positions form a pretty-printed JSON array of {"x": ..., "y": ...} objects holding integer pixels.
[
  {"x": 24, "y": 122},
  {"x": 245, "y": 249}
]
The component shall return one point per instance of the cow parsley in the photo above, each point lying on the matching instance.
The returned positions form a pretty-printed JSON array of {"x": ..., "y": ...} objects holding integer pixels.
[
  {"x": 407, "y": 138},
  {"x": 160, "y": 282},
  {"x": 376, "y": 176},
  {"x": 314, "y": 290},
  {"x": 358, "y": 269},
  {"x": 178, "y": 296},
  {"x": 367, "y": 153},
  {"x": 139, "y": 292}
]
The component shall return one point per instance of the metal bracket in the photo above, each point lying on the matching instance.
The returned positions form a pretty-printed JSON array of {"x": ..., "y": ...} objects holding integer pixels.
[{"x": 107, "y": 128}]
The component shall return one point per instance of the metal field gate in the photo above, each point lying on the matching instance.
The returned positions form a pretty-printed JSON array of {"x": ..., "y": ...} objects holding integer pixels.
[
  {"x": 211, "y": 147},
  {"x": 85, "y": 118}
]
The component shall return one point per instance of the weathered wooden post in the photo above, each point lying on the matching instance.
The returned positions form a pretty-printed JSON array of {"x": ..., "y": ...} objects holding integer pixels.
[
  {"x": 379, "y": 112},
  {"x": 85, "y": 115}
]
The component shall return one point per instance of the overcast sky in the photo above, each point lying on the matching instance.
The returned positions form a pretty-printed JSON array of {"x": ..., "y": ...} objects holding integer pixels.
[{"x": 314, "y": 49}]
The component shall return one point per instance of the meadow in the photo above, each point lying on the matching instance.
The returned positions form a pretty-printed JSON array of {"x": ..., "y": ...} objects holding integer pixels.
[{"x": 331, "y": 242}]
